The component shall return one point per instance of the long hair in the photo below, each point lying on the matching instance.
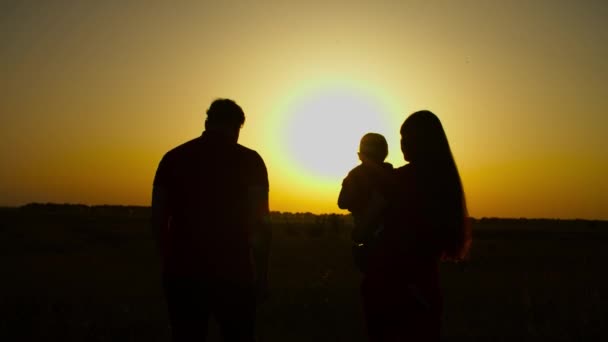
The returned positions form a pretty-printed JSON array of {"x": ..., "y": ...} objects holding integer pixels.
[{"x": 425, "y": 145}]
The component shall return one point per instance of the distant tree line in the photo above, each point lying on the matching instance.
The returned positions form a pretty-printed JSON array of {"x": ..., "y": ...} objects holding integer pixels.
[
  {"x": 277, "y": 217},
  {"x": 83, "y": 209}
]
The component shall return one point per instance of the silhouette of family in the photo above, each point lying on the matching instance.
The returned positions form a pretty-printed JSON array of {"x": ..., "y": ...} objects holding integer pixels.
[{"x": 210, "y": 219}]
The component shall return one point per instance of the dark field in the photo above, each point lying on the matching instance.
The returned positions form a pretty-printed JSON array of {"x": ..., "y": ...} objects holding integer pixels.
[{"x": 91, "y": 274}]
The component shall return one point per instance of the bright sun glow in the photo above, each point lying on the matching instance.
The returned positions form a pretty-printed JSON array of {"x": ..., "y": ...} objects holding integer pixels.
[{"x": 323, "y": 130}]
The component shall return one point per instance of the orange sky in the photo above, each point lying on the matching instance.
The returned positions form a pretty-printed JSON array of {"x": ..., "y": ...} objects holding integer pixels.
[{"x": 92, "y": 95}]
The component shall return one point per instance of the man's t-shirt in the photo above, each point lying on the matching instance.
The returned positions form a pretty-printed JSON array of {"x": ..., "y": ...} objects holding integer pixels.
[{"x": 207, "y": 181}]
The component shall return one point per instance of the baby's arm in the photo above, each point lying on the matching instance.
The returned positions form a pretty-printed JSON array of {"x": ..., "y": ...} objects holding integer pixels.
[{"x": 348, "y": 195}]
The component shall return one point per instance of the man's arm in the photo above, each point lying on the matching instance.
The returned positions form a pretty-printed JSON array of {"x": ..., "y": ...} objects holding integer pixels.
[
  {"x": 160, "y": 214},
  {"x": 261, "y": 235}
]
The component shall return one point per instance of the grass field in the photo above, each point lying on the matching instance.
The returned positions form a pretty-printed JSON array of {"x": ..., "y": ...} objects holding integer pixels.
[{"x": 91, "y": 274}]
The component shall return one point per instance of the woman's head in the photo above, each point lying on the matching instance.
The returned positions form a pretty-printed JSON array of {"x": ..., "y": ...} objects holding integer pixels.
[
  {"x": 423, "y": 139},
  {"x": 425, "y": 146}
]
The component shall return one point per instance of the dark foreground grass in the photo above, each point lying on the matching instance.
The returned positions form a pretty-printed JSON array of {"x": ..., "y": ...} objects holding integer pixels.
[{"x": 93, "y": 277}]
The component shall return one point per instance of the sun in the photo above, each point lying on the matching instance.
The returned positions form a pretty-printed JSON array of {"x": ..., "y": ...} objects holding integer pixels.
[{"x": 322, "y": 131}]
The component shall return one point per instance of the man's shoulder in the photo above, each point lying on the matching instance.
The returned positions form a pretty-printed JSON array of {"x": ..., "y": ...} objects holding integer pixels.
[
  {"x": 248, "y": 153},
  {"x": 171, "y": 160},
  {"x": 252, "y": 165},
  {"x": 246, "y": 150},
  {"x": 182, "y": 149},
  {"x": 185, "y": 150}
]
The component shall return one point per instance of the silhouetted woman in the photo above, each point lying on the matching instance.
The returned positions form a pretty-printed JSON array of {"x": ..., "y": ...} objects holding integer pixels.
[{"x": 425, "y": 222}]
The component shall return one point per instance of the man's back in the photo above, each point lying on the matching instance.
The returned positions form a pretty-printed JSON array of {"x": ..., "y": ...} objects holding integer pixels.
[
  {"x": 207, "y": 181},
  {"x": 209, "y": 209}
]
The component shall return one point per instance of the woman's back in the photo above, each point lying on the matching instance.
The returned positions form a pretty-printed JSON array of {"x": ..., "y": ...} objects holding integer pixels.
[
  {"x": 409, "y": 223},
  {"x": 425, "y": 221},
  {"x": 400, "y": 288}
]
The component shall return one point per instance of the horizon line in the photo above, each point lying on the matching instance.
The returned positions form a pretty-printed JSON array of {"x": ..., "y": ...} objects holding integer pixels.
[{"x": 289, "y": 212}]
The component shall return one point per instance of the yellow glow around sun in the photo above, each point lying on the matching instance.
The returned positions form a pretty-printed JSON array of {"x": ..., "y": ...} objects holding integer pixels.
[{"x": 315, "y": 136}]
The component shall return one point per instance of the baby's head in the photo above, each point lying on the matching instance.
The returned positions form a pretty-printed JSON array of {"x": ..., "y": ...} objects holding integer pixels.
[{"x": 373, "y": 146}]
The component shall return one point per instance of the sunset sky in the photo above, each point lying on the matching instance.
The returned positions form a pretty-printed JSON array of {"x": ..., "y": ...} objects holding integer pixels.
[{"x": 93, "y": 93}]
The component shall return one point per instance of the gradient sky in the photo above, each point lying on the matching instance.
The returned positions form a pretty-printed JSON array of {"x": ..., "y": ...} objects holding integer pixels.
[{"x": 92, "y": 94}]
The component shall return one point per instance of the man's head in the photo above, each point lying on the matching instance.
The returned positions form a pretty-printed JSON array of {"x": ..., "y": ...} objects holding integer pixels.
[
  {"x": 226, "y": 117},
  {"x": 373, "y": 147}
]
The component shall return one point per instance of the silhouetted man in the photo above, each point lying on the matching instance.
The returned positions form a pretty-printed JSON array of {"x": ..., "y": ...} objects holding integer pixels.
[{"x": 209, "y": 208}]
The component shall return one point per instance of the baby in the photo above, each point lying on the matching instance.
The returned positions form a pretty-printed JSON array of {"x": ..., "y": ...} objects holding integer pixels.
[{"x": 361, "y": 194}]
